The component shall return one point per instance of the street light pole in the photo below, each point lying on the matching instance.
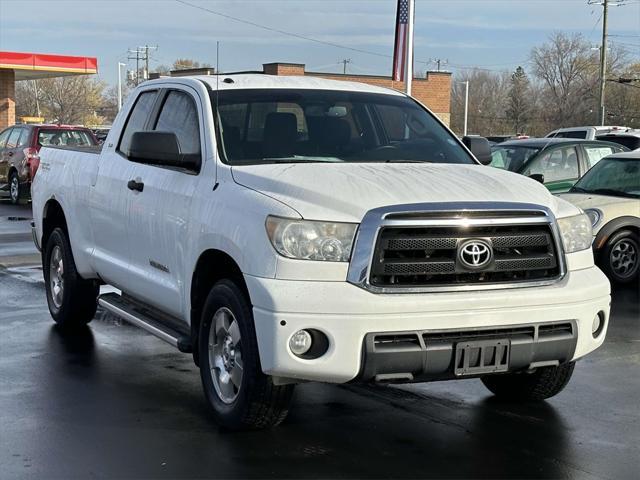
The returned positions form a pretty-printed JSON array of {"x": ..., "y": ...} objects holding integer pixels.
[
  {"x": 120, "y": 64},
  {"x": 466, "y": 105}
]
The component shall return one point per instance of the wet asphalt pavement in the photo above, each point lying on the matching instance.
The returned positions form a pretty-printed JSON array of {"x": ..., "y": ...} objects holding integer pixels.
[{"x": 112, "y": 401}]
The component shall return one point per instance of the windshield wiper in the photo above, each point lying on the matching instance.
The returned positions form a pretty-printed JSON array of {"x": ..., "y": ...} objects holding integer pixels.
[
  {"x": 401, "y": 160},
  {"x": 578, "y": 189},
  {"x": 611, "y": 191}
]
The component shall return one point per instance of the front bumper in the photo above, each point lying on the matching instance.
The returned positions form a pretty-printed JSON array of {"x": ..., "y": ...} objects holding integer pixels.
[{"x": 348, "y": 315}]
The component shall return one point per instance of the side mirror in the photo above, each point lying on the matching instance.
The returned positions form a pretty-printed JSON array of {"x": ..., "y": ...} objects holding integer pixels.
[
  {"x": 538, "y": 177},
  {"x": 159, "y": 148},
  {"x": 480, "y": 148}
]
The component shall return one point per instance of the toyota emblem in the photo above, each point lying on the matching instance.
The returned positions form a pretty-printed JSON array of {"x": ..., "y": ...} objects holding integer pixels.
[{"x": 475, "y": 254}]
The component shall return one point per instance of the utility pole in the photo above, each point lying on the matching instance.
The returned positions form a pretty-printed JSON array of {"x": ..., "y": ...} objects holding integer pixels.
[
  {"x": 466, "y": 105},
  {"x": 439, "y": 62},
  {"x": 603, "y": 60},
  {"x": 146, "y": 49},
  {"x": 344, "y": 65},
  {"x": 142, "y": 54}
]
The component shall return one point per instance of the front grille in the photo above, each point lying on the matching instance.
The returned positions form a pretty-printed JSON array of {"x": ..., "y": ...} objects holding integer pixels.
[{"x": 425, "y": 256}]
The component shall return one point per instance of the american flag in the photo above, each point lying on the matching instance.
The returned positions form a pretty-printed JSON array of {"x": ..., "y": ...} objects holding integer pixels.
[{"x": 400, "y": 46}]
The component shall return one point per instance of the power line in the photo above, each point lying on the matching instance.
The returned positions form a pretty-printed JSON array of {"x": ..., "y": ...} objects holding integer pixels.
[{"x": 282, "y": 32}]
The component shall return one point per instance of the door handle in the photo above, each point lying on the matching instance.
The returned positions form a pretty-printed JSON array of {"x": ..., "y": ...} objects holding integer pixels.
[{"x": 133, "y": 185}]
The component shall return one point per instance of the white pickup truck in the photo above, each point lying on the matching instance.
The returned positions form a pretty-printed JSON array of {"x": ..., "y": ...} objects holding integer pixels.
[{"x": 291, "y": 229}]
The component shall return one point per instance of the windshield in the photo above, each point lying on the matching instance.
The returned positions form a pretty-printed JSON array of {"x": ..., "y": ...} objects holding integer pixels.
[
  {"x": 67, "y": 137},
  {"x": 303, "y": 125},
  {"x": 612, "y": 176},
  {"x": 511, "y": 157}
]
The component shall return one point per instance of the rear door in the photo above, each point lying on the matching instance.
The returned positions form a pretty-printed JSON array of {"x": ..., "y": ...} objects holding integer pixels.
[
  {"x": 559, "y": 165},
  {"x": 594, "y": 152},
  {"x": 111, "y": 200},
  {"x": 160, "y": 214},
  {"x": 4, "y": 160}
]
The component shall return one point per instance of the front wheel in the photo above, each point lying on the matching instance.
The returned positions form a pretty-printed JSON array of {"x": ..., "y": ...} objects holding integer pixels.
[
  {"x": 241, "y": 396},
  {"x": 544, "y": 383},
  {"x": 620, "y": 258},
  {"x": 72, "y": 300}
]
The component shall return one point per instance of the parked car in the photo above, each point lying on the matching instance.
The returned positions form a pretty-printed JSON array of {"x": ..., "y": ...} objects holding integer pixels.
[
  {"x": 584, "y": 133},
  {"x": 292, "y": 229},
  {"x": 610, "y": 194},
  {"x": 556, "y": 162},
  {"x": 19, "y": 153},
  {"x": 629, "y": 139}
]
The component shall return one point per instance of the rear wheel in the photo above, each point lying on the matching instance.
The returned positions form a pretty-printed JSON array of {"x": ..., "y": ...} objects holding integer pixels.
[
  {"x": 72, "y": 300},
  {"x": 620, "y": 258},
  {"x": 544, "y": 383},
  {"x": 241, "y": 396},
  {"x": 14, "y": 188}
]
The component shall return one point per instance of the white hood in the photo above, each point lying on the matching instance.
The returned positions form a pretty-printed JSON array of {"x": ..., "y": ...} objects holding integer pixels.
[{"x": 344, "y": 192}]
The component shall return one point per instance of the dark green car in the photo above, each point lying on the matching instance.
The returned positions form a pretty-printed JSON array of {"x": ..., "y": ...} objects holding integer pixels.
[{"x": 558, "y": 162}]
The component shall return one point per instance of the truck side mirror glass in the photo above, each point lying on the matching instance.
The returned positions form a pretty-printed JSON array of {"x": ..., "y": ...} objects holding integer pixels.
[
  {"x": 479, "y": 147},
  {"x": 159, "y": 148},
  {"x": 538, "y": 177}
]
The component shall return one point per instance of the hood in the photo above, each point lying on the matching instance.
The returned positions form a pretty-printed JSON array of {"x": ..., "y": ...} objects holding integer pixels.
[
  {"x": 344, "y": 192},
  {"x": 589, "y": 200}
]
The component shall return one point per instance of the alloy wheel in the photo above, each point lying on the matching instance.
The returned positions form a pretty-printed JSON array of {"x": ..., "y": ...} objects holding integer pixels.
[
  {"x": 14, "y": 188},
  {"x": 624, "y": 258},
  {"x": 225, "y": 355},
  {"x": 56, "y": 273}
]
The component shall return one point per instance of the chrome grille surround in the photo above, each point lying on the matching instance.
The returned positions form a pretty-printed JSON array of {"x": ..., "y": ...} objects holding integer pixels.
[{"x": 451, "y": 214}]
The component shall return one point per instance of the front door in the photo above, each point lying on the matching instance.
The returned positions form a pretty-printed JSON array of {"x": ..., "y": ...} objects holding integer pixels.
[
  {"x": 560, "y": 168},
  {"x": 111, "y": 200},
  {"x": 159, "y": 217}
]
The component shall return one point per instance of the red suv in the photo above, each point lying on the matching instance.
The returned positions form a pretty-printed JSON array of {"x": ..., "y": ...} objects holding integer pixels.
[{"x": 19, "y": 157}]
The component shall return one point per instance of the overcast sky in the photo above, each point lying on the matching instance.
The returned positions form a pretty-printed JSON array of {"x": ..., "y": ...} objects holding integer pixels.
[{"x": 492, "y": 34}]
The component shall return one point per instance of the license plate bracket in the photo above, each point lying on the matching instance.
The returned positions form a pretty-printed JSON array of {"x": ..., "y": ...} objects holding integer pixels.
[{"x": 482, "y": 356}]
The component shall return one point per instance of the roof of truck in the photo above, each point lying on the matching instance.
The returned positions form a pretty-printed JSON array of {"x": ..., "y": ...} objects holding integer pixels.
[{"x": 234, "y": 81}]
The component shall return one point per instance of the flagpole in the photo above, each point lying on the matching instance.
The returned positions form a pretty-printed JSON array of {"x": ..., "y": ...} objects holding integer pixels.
[{"x": 408, "y": 72}]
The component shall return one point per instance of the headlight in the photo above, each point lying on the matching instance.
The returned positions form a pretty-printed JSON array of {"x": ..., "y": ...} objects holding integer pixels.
[
  {"x": 576, "y": 232},
  {"x": 594, "y": 215},
  {"x": 306, "y": 240}
]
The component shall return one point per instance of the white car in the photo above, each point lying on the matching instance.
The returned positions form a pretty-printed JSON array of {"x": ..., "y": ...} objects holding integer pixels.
[
  {"x": 291, "y": 229},
  {"x": 610, "y": 194},
  {"x": 585, "y": 133}
]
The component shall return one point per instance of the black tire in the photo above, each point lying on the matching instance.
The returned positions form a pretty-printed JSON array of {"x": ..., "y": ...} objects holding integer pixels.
[
  {"x": 624, "y": 244},
  {"x": 544, "y": 383},
  {"x": 76, "y": 304},
  {"x": 258, "y": 403},
  {"x": 15, "y": 190}
]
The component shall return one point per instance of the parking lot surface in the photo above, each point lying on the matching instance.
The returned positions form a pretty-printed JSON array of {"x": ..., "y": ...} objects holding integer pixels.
[{"x": 113, "y": 401}]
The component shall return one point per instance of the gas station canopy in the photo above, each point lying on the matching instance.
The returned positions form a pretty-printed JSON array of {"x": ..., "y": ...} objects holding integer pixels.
[
  {"x": 30, "y": 66},
  {"x": 16, "y": 66}
]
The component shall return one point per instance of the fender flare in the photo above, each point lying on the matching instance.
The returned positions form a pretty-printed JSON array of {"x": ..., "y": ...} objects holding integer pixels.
[{"x": 613, "y": 226}]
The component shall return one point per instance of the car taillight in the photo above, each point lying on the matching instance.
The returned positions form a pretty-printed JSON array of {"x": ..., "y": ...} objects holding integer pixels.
[{"x": 33, "y": 160}]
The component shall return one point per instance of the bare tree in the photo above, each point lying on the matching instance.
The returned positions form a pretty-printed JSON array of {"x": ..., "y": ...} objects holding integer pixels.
[
  {"x": 72, "y": 100},
  {"x": 566, "y": 66}
]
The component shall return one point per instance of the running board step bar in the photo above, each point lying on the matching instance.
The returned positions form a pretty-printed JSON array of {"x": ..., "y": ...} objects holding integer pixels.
[{"x": 145, "y": 318}]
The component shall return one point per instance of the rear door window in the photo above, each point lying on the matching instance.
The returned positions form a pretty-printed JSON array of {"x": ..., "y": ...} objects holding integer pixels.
[
  {"x": 595, "y": 153},
  {"x": 137, "y": 119},
  {"x": 4, "y": 136},
  {"x": 14, "y": 138}
]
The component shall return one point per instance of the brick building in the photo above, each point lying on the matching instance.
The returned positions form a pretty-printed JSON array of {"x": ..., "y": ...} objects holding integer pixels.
[{"x": 434, "y": 90}]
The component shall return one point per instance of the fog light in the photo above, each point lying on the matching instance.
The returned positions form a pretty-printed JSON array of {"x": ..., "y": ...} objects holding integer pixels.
[
  {"x": 597, "y": 325},
  {"x": 300, "y": 342}
]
